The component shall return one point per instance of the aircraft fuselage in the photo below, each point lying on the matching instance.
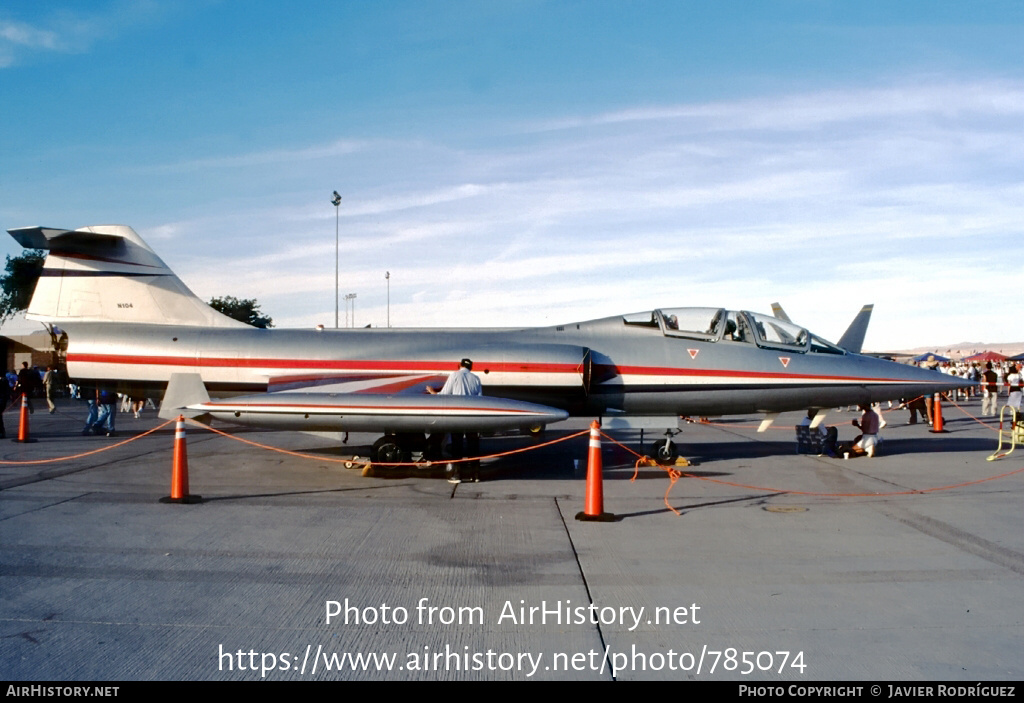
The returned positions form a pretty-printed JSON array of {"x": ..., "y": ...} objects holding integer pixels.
[{"x": 587, "y": 368}]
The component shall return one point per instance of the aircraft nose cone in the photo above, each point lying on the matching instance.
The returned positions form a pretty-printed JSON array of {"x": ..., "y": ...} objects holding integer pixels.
[{"x": 937, "y": 382}]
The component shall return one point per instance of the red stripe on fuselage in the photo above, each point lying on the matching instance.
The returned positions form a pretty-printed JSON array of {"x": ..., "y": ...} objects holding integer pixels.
[
  {"x": 390, "y": 365},
  {"x": 341, "y": 365},
  {"x": 714, "y": 373},
  {"x": 236, "y": 407}
]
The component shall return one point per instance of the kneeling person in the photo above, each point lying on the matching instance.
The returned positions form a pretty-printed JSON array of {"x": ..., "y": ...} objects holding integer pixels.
[{"x": 868, "y": 440}]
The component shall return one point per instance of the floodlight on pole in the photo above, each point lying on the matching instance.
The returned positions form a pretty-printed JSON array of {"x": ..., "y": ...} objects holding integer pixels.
[
  {"x": 350, "y": 297},
  {"x": 336, "y": 202},
  {"x": 387, "y": 277}
]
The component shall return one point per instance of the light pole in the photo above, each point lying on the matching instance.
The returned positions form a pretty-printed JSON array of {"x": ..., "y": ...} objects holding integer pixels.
[
  {"x": 387, "y": 277},
  {"x": 336, "y": 202}
]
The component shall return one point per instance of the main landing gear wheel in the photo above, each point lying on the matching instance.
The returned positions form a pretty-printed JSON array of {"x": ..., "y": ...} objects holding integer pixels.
[
  {"x": 388, "y": 450},
  {"x": 664, "y": 451}
]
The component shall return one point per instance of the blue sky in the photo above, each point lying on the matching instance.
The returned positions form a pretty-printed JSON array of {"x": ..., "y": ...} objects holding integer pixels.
[{"x": 531, "y": 163}]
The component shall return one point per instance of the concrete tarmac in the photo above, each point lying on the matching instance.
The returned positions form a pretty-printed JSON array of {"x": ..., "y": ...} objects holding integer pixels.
[{"x": 780, "y": 567}]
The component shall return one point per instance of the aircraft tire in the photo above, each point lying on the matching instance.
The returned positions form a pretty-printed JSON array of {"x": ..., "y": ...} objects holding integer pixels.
[
  {"x": 388, "y": 450},
  {"x": 665, "y": 451}
]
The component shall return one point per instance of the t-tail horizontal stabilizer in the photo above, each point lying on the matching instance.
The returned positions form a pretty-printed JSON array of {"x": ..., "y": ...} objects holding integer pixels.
[{"x": 106, "y": 273}]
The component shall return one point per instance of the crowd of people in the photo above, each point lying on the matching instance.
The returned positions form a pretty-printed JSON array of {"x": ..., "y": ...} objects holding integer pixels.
[
  {"x": 997, "y": 379},
  {"x": 51, "y": 383},
  {"x": 999, "y": 383}
]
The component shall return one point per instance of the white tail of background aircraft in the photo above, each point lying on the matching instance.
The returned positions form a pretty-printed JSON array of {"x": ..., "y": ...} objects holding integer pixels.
[{"x": 106, "y": 273}]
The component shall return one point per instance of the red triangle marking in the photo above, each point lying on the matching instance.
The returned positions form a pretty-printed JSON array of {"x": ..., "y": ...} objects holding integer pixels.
[
  {"x": 693, "y": 353},
  {"x": 785, "y": 361}
]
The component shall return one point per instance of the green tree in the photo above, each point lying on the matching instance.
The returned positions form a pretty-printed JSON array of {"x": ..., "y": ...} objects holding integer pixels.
[
  {"x": 19, "y": 282},
  {"x": 247, "y": 311}
]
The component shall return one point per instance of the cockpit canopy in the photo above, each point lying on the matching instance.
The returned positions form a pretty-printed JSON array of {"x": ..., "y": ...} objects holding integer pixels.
[{"x": 720, "y": 325}]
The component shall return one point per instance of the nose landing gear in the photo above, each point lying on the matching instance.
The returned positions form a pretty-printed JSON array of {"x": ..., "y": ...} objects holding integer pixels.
[{"x": 664, "y": 451}]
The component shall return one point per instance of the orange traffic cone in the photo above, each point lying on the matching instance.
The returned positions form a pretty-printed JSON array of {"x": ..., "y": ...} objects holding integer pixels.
[
  {"x": 937, "y": 414},
  {"x": 179, "y": 469},
  {"x": 593, "y": 508},
  {"x": 23, "y": 422}
]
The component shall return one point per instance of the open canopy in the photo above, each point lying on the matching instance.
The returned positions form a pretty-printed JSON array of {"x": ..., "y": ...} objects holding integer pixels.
[{"x": 730, "y": 326}]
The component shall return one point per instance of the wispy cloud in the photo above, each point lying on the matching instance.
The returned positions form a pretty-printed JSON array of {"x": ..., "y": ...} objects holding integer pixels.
[
  {"x": 25, "y": 35},
  {"x": 18, "y": 36},
  {"x": 72, "y": 31},
  {"x": 928, "y": 97},
  {"x": 269, "y": 157}
]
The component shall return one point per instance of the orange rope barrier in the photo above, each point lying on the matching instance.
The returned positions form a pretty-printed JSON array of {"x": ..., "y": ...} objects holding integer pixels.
[
  {"x": 420, "y": 464},
  {"x": 983, "y": 424},
  {"x": 89, "y": 453},
  {"x": 673, "y": 473},
  {"x": 772, "y": 427},
  {"x": 642, "y": 460},
  {"x": 672, "y": 480}
]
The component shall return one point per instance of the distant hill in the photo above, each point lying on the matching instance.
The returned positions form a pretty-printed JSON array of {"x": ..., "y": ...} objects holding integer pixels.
[{"x": 962, "y": 349}]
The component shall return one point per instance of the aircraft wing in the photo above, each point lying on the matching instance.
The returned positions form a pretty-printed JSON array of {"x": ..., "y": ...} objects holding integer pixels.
[
  {"x": 396, "y": 414},
  {"x": 401, "y": 405}
]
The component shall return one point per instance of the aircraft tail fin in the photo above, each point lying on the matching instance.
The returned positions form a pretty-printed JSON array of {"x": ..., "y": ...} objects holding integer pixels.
[
  {"x": 853, "y": 338},
  {"x": 107, "y": 273}
]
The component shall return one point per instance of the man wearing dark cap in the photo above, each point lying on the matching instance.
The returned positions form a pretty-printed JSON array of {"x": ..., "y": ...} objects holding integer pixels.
[{"x": 463, "y": 382}]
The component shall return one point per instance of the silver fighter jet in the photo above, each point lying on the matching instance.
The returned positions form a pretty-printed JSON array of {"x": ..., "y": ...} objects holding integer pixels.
[{"x": 130, "y": 320}]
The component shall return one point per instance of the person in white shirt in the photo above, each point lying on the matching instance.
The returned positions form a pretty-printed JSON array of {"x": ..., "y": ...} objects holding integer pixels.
[
  {"x": 463, "y": 382},
  {"x": 1013, "y": 380}
]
